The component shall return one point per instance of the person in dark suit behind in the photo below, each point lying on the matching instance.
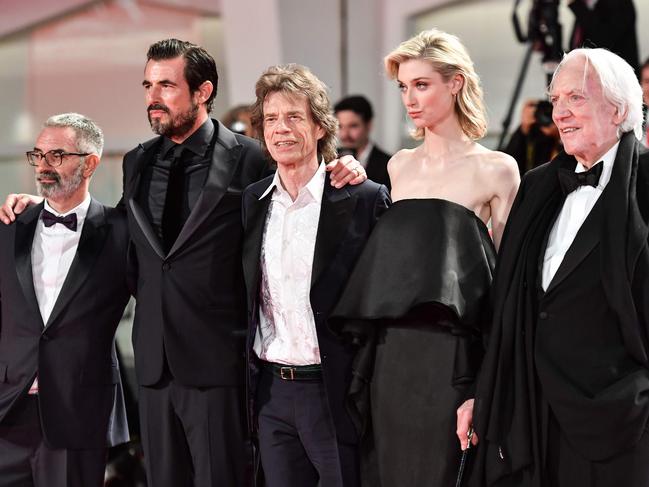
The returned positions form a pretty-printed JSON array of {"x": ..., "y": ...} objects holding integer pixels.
[
  {"x": 301, "y": 239},
  {"x": 606, "y": 23},
  {"x": 355, "y": 115},
  {"x": 563, "y": 395},
  {"x": 63, "y": 289}
]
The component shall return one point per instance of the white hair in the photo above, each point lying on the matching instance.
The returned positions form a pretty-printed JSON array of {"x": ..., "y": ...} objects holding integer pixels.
[
  {"x": 88, "y": 135},
  {"x": 619, "y": 84}
]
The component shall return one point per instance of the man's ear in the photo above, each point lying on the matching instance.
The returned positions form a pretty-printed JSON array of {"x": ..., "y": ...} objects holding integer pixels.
[
  {"x": 204, "y": 92},
  {"x": 620, "y": 116},
  {"x": 90, "y": 164}
]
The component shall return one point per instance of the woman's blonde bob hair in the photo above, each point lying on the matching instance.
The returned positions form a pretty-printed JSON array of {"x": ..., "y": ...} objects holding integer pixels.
[{"x": 449, "y": 58}]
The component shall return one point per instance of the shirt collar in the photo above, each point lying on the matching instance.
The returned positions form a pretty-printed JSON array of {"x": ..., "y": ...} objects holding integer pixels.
[
  {"x": 363, "y": 157},
  {"x": 607, "y": 159},
  {"x": 81, "y": 210},
  {"x": 198, "y": 142},
  {"x": 315, "y": 186}
]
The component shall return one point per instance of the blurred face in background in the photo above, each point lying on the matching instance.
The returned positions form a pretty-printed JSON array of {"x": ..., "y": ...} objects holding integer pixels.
[
  {"x": 353, "y": 131},
  {"x": 171, "y": 107}
]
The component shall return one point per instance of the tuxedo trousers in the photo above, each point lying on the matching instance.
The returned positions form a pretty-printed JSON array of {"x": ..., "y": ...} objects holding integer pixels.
[
  {"x": 194, "y": 436},
  {"x": 27, "y": 461},
  {"x": 297, "y": 438}
]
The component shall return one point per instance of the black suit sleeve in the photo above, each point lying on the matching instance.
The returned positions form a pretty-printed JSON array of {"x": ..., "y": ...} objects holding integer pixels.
[{"x": 381, "y": 203}]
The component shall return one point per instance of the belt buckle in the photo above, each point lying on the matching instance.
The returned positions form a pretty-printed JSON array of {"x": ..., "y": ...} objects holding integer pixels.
[{"x": 291, "y": 373}]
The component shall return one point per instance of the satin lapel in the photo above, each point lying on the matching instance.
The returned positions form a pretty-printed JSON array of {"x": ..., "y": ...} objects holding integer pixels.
[
  {"x": 91, "y": 243},
  {"x": 146, "y": 152},
  {"x": 142, "y": 157},
  {"x": 225, "y": 160},
  {"x": 146, "y": 228},
  {"x": 335, "y": 214},
  {"x": 586, "y": 239},
  {"x": 252, "y": 240},
  {"x": 25, "y": 228}
]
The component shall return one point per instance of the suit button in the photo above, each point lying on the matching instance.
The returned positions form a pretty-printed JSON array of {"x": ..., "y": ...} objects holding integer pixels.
[
  {"x": 45, "y": 336},
  {"x": 543, "y": 315},
  {"x": 166, "y": 266}
]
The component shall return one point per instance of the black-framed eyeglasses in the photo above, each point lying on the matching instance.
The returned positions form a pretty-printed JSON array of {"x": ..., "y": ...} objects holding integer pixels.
[{"x": 53, "y": 158}]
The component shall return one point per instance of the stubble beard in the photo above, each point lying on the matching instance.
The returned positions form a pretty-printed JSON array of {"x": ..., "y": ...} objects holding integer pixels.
[
  {"x": 61, "y": 188},
  {"x": 177, "y": 125}
]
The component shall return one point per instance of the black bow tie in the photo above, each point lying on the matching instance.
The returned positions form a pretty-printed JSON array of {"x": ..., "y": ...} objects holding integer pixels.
[
  {"x": 69, "y": 221},
  {"x": 569, "y": 180}
]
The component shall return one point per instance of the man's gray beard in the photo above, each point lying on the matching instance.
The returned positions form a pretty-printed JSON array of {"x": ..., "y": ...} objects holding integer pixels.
[
  {"x": 178, "y": 125},
  {"x": 62, "y": 188}
]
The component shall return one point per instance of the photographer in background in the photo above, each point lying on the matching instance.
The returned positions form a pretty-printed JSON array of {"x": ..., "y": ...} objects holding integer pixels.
[
  {"x": 536, "y": 140},
  {"x": 606, "y": 23}
]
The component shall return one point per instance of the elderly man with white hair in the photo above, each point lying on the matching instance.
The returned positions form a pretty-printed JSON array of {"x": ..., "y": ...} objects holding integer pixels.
[{"x": 563, "y": 396}]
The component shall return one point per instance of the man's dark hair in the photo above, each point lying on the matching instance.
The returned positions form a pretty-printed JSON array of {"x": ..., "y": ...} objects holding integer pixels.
[
  {"x": 199, "y": 65},
  {"x": 357, "y": 104}
]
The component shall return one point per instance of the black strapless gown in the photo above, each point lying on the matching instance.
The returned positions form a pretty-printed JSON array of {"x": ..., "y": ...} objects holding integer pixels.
[{"x": 415, "y": 305}]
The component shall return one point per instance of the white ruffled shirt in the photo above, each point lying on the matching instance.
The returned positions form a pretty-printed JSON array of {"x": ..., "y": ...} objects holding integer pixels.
[{"x": 286, "y": 333}]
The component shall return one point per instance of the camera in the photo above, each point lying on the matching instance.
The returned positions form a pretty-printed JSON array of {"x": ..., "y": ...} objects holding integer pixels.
[
  {"x": 543, "y": 113},
  {"x": 543, "y": 31}
]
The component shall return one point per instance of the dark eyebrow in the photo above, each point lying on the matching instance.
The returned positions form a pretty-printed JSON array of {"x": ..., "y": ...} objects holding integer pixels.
[{"x": 161, "y": 82}]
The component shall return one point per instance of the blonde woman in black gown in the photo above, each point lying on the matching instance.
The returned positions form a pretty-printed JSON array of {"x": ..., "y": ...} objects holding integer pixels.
[{"x": 418, "y": 297}]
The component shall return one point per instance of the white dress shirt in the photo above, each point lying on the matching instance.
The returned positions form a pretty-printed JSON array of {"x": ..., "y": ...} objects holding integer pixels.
[
  {"x": 53, "y": 250},
  {"x": 364, "y": 156},
  {"x": 286, "y": 332},
  {"x": 576, "y": 208}
]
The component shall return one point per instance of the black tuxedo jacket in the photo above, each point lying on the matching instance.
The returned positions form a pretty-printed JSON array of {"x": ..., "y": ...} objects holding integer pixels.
[
  {"x": 377, "y": 167},
  {"x": 190, "y": 307},
  {"x": 347, "y": 217},
  {"x": 601, "y": 292},
  {"x": 80, "y": 394}
]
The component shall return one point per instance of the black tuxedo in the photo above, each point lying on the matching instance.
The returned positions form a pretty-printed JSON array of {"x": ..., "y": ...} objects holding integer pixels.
[
  {"x": 80, "y": 396},
  {"x": 190, "y": 314},
  {"x": 377, "y": 167},
  {"x": 610, "y": 24},
  {"x": 347, "y": 217},
  {"x": 566, "y": 369}
]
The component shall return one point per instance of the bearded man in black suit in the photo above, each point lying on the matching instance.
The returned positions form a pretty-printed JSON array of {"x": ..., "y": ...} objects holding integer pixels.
[{"x": 563, "y": 397}]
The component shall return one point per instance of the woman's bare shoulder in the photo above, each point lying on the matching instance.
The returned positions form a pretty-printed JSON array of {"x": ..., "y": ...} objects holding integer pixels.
[
  {"x": 401, "y": 158},
  {"x": 492, "y": 161}
]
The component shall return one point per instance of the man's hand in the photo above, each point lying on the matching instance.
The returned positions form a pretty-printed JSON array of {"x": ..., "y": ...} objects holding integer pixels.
[
  {"x": 15, "y": 204},
  {"x": 464, "y": 422},
  {"x": 346, "y": 170}
]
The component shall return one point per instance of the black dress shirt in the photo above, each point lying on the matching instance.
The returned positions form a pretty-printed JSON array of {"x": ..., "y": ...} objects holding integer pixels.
[{"x": 196, "y": 159}]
